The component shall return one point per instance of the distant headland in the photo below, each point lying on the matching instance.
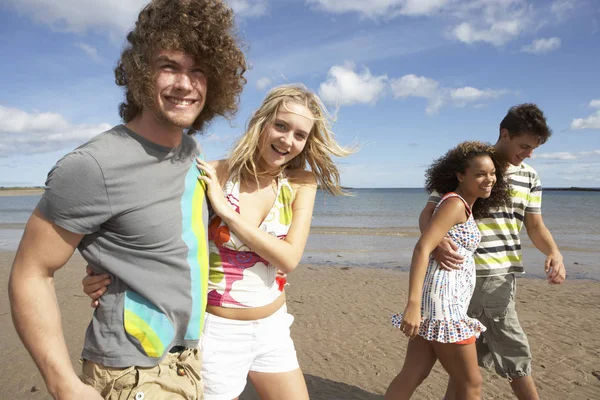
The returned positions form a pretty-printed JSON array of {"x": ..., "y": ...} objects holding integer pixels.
[
  {"x": 574, "y": 189},
  {"x": 37, "y": 190},
  {"x": 21, "y": 190}
]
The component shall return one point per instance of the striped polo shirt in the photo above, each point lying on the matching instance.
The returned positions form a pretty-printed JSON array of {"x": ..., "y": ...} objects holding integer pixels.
[{"x": 499, "y": 252}]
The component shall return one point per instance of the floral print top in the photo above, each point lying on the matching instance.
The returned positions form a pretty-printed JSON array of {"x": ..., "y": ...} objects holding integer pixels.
[{"x": 240, "y": 278}]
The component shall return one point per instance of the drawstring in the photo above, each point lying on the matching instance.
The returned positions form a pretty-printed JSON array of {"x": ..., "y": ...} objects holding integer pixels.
[{"x": 183, "y": 368}]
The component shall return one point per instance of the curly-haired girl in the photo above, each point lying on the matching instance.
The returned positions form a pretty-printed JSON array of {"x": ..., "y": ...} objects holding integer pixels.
[{"x": 471, "y": 181}]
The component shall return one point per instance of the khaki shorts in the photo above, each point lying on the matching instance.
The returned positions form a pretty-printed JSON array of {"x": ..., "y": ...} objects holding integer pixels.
[
  {"x": 176, "y": 377},
  {"x": 504, "y": 344}
]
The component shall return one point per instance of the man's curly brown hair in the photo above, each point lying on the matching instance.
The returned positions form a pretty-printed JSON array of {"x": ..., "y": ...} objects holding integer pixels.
[
  {"x": 526, "y": 119},
  {"x": 441, "y": 175},
  {"x": 203, "y": 29}
]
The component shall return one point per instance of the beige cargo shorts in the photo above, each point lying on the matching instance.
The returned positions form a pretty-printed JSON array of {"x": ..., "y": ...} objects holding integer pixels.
[{"x": 176, "y": 377}]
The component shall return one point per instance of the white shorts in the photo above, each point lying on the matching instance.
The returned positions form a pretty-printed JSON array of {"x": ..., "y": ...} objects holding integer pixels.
[{"x": 232, "y": 348}]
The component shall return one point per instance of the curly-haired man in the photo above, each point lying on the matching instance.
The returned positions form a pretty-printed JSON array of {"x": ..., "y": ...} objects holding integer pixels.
[
  {"x": 130, "y": 201},
  {"x": 499, "y": 257}
]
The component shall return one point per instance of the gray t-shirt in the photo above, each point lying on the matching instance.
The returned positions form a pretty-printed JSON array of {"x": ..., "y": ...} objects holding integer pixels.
[{"x": 144, "y": 217}]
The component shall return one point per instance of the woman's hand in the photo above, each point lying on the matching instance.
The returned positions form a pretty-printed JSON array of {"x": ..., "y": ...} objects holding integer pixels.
[
  {"x": 95, "y": 285},
  {"x": 208, "y": 175},
  {"x": 411, "y": 320}
]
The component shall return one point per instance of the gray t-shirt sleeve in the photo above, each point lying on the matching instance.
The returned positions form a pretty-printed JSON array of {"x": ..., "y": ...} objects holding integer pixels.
[{"x": 76, "y": 197}]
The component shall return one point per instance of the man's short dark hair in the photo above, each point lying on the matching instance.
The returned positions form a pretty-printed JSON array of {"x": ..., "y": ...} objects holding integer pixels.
[{"x": 526, "y": 119}]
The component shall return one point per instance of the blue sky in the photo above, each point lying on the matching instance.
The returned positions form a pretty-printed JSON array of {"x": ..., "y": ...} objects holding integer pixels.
[{"x": 410, "y": 78}]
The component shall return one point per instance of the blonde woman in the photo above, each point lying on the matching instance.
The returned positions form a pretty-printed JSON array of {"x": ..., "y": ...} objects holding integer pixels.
[{"x": 262, "y": 200}]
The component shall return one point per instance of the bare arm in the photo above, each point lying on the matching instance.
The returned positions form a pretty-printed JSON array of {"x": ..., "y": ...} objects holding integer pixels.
[
  {"x": 451, "y": 212},
  {"x": 284, "y": 254},
  {"x": 426, "y": 215},
  {"x": 445, "y": 253},
  {"x": 543, "y": 240},
  {"x": 44, "y": 249}
]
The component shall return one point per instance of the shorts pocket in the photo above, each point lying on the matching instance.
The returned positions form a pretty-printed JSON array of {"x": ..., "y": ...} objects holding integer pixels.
[
  {"x": 497, "y": 297},
  {"x": 496, "y": 311},
  {"x": 89, "y": 380}
]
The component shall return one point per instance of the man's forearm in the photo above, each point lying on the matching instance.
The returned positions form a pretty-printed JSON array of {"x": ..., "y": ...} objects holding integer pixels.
[
  {"x": 542, "y": 239},
  {"x": 425, "y": 216},
  {"x": 37, "y": 320}
]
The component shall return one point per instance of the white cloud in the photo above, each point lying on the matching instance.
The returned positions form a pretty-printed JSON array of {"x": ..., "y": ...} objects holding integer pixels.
[
  {"x": 594, "y": 104},
  {"x": 591, "y": 122},
  {"x": 28, "y": 133},
  {"x": 582, "y": 172},
  {"x": 470, "y": 94},
  {"x": 91, "y": 51},
  {"x": 420, "y": 86},
  {"x": 497, "y": 33},
  {"x": 249, "y": 8},
  {"x": 345, "y": 87},
  {"x": 491, "y": 21},
  {"x": 414, "y": 86},
  {"x": 422, "y": 7},
  {"x": 263, "y": 83},
  {"x": 567, "y": 156},
  {"x": 13, "y": 120},
  {"x": 541, "y": 46},
  {"x": 562, "y": 155},
  {"x": 111, "y": 17},
  {"x": 496, "y": 22},
  {"x": 380, "y": 8},
  {"x": 562, "y": 7},
  {"x": 114, "y": 17}
]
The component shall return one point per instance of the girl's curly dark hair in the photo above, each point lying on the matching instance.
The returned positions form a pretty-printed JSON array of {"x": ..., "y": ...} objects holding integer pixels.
[
  {"x": 441, "y": 175},
  {"x": 203, "y": 29}
]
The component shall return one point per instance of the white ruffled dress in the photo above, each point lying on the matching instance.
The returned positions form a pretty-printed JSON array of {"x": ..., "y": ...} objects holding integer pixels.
[{"x": 446, "y": 294}]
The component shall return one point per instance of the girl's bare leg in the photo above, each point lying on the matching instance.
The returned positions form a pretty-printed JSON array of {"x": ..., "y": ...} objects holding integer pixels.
[
  {"x": 418, "y": 362},
  {"x": 460, "y": 361}
]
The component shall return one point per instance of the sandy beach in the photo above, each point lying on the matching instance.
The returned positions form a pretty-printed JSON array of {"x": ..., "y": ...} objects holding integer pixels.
[{"x": 346, "y": 345}]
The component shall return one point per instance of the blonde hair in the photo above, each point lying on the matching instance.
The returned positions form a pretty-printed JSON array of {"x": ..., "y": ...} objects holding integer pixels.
[{"x": 319, "y": 148}]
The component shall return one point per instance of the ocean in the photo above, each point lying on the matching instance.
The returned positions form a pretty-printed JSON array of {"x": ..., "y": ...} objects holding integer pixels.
[{"x": 379, "y": 228}]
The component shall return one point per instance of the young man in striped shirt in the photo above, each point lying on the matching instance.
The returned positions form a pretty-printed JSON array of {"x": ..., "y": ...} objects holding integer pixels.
[{"x": 499, "y": 255}]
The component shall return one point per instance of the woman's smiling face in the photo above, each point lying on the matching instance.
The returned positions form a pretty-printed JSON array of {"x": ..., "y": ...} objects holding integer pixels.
[{"x": 285, "y": 137}]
